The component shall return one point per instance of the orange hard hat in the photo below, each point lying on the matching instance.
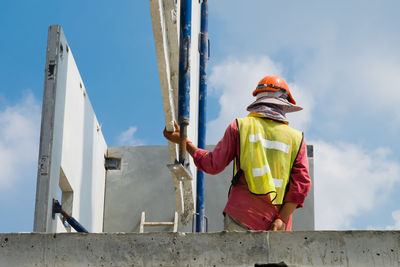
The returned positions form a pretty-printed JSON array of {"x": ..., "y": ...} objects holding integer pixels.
[{"x": 273, "y": 83}]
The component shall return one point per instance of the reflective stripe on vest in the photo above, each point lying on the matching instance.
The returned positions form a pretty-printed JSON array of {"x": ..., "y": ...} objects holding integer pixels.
[{"x": 268, "y": 150}]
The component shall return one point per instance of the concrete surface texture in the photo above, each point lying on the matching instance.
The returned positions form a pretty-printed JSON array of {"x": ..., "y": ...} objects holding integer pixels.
[
  {"x": 351, "y": 248},
  {"x": 72, "y": 146},
  {"x": 143, "y": 183}
]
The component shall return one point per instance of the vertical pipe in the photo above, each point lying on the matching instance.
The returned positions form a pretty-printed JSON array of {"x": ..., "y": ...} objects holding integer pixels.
[
  {"x": 184, "y": 74},
  {"x": 200, "y": 207}
]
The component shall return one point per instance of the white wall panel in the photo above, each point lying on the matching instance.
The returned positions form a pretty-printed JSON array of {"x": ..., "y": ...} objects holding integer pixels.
[{"x": 77, "y": 146}]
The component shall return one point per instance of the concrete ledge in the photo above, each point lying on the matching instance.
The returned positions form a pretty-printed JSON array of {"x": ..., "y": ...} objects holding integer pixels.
[{"x": 350, "y": 248}]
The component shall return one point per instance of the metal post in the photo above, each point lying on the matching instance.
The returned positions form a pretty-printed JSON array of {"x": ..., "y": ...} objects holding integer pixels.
[
  {"x": 184, "y": 74},
  {"x": 200, "y": 207}
]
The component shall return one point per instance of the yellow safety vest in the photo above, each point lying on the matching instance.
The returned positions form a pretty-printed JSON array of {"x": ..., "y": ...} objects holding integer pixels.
[{"x": 268, "y": 150}]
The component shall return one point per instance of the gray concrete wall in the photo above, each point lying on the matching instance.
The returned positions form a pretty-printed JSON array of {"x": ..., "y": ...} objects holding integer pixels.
[
  {"x": 359, "y": 248},
  {"x": 304, "y": 218},
  {"x": 144, "y": 184}
]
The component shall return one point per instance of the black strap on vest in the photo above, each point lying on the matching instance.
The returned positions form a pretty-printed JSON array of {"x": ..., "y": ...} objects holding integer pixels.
[{"x": 236, "y": 178}]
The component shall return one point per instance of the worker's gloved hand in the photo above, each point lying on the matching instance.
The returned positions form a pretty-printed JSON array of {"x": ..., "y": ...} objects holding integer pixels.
[
  {"x": 277, "y": 225},
  {"x": 173, "y": 136}
]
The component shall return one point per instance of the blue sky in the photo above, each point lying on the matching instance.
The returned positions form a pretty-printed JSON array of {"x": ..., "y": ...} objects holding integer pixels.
[{"x": 341, "y": 59}]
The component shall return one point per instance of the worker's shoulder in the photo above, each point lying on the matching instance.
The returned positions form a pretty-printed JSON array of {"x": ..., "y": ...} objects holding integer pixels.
[
  {"x": 265, "y": 120},
  {"x": 268, "y": 122}
]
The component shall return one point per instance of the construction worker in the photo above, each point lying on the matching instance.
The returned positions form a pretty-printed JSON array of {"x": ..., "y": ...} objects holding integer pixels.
[{"x": 272, "y": 177}]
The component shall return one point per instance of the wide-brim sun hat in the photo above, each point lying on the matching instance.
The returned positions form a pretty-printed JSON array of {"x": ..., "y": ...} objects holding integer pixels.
[{"x": 266, "y": 98}]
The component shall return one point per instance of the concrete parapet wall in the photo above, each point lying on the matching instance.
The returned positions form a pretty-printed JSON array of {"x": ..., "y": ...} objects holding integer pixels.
[{"x": 350, "y": 248}]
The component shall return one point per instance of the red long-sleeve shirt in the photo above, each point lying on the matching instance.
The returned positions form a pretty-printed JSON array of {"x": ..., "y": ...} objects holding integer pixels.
[{"x": 254, "y": 211}]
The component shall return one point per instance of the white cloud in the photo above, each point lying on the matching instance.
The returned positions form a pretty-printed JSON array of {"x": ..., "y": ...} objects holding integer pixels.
[
  {"x": 234, "y": 81},
  {"x": 300, "y": 120},
  {"x": 19, "y": 140},
  {"x": 126, "y": 138},
  {"x": 349, "y": 61},
  {"x": 396, "y": 219},
  {"x": 354, "y": 80},
  {"x": 350, "y": 180},
  {"x": 394, "y": 226}
]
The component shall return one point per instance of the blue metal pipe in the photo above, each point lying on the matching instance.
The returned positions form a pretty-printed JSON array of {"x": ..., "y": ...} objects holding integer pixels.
[
  {"x": 200, "y": 205},
  {"x": 184, "y": 74},
  {"x": 76, "y": 225},
  {"x": 57, "y": 208}
]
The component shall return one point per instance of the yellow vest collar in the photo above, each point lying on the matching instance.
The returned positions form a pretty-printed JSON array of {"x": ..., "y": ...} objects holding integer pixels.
[{"x": 254, "y": 114}]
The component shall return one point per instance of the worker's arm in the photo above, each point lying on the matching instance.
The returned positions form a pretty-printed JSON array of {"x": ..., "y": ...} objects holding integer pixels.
[
  {"x": 279, "y": 224},
  {"x": 299, "y": 186},
  {"x": 211, "y": 162},
  {"x": 175, "y": 138},
  {"x": 190, "y": 148},
  {"x": 300, "y": 181}
]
